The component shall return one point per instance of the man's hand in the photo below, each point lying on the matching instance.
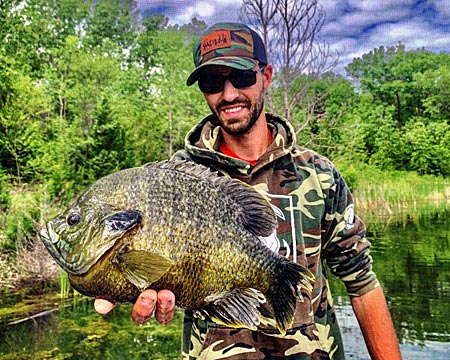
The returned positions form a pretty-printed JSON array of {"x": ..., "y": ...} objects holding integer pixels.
[{"x": 149, "y": 302}]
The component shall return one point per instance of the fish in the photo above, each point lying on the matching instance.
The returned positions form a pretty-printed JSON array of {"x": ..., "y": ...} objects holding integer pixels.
[{"x": 184, "y": 227}]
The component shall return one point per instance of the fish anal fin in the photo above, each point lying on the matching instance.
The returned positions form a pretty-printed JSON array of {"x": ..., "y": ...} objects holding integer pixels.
[
  {"x": 236, "y": 309},
  {"x": 143, "y": 268}
]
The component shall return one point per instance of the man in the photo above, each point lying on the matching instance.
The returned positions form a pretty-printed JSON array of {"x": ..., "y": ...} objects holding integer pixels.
[{"x": 314, "y": 207}]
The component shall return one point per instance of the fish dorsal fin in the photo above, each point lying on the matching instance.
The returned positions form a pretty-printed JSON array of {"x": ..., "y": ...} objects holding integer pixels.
[
  {"x": 142, "y": 268},
  {"x": 253, "y": 210},
  {"x": 236, "y": 309},
  {"x": 185, "y": 167}
]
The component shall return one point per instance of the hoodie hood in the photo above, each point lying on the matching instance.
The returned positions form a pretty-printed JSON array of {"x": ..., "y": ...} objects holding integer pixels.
[{"x": 202, "y": 143}]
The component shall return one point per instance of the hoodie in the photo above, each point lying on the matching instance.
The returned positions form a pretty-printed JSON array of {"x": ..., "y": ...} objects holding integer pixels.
[{"x": 317, "y": 228}]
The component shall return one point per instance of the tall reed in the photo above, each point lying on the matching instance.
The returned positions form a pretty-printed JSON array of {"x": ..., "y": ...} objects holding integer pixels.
[
  {"x": 65, "y": 289},
  {"x": 396, "y": 193}
]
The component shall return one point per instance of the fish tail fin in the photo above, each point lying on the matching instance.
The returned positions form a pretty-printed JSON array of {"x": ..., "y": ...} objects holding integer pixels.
[{"x": 285, "y": 290}]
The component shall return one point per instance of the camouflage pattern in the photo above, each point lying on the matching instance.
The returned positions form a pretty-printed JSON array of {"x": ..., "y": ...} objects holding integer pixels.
[
  {"x": 228, "y": 44},
  {"x": 316, "y": 228}
]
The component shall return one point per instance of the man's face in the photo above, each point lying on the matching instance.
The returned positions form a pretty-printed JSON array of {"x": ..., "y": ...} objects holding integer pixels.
[{"x": 237, "y": 109}]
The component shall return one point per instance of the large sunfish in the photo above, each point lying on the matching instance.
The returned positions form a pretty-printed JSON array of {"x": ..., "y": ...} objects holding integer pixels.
[{"x": 178, "y": 226}]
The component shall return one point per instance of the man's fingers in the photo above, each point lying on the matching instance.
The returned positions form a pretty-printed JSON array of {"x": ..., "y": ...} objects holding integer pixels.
[
  {"x": 103, "y": 306},
  {"x": 166, "y": 307},
  {"x": 144, "y": 306}
]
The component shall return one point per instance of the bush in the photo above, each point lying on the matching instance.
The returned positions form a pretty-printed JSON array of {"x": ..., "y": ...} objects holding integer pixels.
[
  {"x": 19, "y": 228},
  {"x": 5, "y": 196}
]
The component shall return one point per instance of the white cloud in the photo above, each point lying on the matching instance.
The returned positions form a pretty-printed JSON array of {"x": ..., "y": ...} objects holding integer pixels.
[
  {"x": 443, "y": 8},
  {"x": 413, "y": 34},
  {"x": 353, "y": 27},
  {"x": 379, "y": 6},
  {"x": 199, "y": 10},
  {"x": 181, "y": 12}
]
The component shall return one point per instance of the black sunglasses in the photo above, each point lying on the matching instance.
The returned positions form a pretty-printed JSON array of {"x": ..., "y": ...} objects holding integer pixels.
[{"x": 213, "y": 83}]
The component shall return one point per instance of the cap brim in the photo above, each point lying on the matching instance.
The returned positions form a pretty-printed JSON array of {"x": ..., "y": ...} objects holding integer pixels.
[{"x": 238, "y": 63}]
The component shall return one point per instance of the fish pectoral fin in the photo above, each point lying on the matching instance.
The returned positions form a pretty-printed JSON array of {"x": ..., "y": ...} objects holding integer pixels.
[
  {"x": 236, "y": 309},
  {"x": 143, "y": 268}
]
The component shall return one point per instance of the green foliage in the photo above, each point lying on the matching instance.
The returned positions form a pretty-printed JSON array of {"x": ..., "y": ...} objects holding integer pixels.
[
  {"x": 390, "y": 76},
  {"x": 427, "y": 144},
  {"x": 434, "y": 86},
  {"x": 403, "y": 114},
  {"x": 332, "y": 98},
  {"x": 24, "y": 110},
  {"x": 20, "y": 220},
  {"x": 5, "y": 196},
  {"x": 113, "y": 21},
  {"x": 86, "y": 90}
]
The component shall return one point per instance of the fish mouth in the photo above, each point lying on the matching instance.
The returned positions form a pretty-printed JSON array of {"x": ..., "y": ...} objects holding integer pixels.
[
  {"x": 73, "y": 262},
  {"x": 60, "y": 251},
  {"x": 48, "y": 234},
  {"x": 50, "y": 238}
]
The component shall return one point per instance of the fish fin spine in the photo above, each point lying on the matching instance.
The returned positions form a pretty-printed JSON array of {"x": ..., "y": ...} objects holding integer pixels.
[{"x": 235, "y": 309}]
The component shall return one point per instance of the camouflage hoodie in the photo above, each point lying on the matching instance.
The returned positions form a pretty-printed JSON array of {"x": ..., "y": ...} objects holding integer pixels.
[{"x": 316, "y": 227}]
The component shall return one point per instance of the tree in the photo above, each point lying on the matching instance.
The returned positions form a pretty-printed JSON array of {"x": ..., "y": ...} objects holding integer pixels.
[
  {"x": 427, "y": 146},
  {"x": 24, "y": 112},
  {"x": 112, "y": 21},
  {"x": 389, "y": 75},
  {"x": 434, "y": 87},
  {"x": 173, "y": 108},
  {"x": 290, "y": 30},
  {"x": 329, "y": 129},
  {"x": 405, "y": 122},
  {"x": 30, "y": 29}
]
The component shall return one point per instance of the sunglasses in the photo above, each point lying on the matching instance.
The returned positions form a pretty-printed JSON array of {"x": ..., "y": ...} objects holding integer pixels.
[{"x": 213, "y": 83}]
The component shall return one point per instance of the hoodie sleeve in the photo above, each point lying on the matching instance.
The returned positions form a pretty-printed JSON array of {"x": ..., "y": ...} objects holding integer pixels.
[{"x": 345, "y": 247}]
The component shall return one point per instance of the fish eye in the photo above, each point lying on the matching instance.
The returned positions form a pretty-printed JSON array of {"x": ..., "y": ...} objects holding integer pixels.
[{"x": 73, "y": 219}]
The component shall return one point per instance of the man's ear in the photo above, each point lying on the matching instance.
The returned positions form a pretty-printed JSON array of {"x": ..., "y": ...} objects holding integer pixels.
[{"x": 267, "y": 73}]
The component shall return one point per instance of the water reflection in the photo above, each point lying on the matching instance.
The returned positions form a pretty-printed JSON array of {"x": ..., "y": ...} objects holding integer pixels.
[
  {"x": 411, "y": 258},
  {"x": 77, "y": 332}
]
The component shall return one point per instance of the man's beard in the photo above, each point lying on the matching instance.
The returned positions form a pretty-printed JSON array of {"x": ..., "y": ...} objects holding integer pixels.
[{"x": 255, "y": 112}]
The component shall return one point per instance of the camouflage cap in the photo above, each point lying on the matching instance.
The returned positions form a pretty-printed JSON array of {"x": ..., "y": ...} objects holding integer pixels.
[{"x": 229, "y": 44}]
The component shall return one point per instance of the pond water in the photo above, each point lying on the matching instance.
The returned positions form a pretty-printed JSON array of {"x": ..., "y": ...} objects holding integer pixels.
[
  {"x": 70, "y": 329},
  {"x": 412, "y": 261},
  {"x": 411, "y": 258}
]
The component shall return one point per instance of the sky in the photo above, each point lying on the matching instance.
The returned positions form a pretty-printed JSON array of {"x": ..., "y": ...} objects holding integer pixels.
[{"x": 352, "y": 27}]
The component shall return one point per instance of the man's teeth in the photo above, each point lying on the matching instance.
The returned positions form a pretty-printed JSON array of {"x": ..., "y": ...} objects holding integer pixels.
[{"x": 234, "y": 109}]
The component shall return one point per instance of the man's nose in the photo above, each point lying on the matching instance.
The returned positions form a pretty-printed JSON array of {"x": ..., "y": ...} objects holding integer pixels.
[{"x": 229, "y": 91}]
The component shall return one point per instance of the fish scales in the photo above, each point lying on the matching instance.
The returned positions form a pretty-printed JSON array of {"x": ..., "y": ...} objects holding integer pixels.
[{"x": 178, "y": 226}]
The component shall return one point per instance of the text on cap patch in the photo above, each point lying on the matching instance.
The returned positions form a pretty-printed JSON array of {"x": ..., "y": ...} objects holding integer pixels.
[{"x": 217, "y": 40}]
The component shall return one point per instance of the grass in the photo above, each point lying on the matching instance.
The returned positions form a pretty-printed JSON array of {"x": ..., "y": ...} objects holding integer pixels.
[
  {"x": 65, "y": 289},
  {"x": 26, "y": 265},
  {"x": 398, "y": 193}
]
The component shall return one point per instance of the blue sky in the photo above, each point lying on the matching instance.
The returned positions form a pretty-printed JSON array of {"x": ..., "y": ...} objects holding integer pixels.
[{"x": 352, "y": 27}]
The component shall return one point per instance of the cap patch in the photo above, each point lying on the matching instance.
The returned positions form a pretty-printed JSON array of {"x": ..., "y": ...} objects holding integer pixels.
[{"x": 217, "y": 40}]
